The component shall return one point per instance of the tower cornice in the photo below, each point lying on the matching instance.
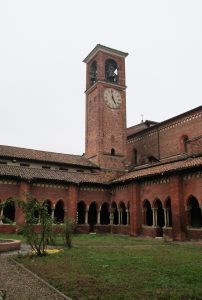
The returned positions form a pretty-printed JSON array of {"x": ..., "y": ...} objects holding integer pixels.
[{"x": 105, "y": 49}]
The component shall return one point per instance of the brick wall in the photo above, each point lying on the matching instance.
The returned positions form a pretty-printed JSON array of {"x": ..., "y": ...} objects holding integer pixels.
[{"x": 166, "y": 139}]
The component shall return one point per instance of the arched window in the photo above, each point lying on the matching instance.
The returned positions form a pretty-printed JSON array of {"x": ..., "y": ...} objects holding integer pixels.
[
  {"x": 148, "y": 217},
  {"x": 195, "y": 215},
  {"x": 59, "y": 212},
  {"x": 81, "y": 208},
  {"x": 9, "y": 211},
  {"x": 113, "y": 152},
  {"x": 93, "y": 72},
  {"x": 104, "y": 214},
  {"x": 111, "y": 71}
]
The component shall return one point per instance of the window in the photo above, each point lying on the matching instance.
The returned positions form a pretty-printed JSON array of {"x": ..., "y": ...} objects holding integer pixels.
[
  {"x": 185, "y": 144},
  {"x": 111, "y": 71},
  {"x": 113, "y": 152},
  {"x": 93, "y": 72},
  {"x": 63, "y": 169},
  {"x": 184, "y": 140},
  {"x": 24, "y": 165},
  {"x": 46, "y": 167}
]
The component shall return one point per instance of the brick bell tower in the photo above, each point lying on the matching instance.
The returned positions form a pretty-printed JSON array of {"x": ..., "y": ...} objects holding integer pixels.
[{"x": 106, "y": 108}]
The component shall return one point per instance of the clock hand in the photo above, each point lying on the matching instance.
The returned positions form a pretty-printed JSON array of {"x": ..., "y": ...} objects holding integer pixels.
[{"x": 113, "y": 97}]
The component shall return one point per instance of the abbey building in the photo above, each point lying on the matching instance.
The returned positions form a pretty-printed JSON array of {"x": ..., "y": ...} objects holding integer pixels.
[{"x": 143, "y": 180}]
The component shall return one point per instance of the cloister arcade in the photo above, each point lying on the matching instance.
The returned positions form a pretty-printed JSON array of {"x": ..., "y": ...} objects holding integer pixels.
[
  {"x": 194, "y": 213},
  {"x": 8, "y": 212},
  {"x": 104, "y": 214},
  {"x": 57, "y": 211},
  {"x": 157, "y": 214}
]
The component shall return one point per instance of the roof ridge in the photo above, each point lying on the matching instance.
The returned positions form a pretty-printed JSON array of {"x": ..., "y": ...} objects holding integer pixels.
[{"x": 51, "y": 152}]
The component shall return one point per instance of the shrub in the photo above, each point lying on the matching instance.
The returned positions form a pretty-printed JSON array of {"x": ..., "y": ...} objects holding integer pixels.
[
  {"x": 67, "y": 232},
  {"x": 35, "y": 212}
]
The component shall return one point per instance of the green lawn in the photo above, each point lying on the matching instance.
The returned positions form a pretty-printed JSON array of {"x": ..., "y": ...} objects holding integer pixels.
[{"x": 117, "y": 267}]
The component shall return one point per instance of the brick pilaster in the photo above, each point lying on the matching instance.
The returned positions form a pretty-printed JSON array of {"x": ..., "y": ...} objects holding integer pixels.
[
  {"x": 72, "y": 202},
  {"x": 24, "y": 189},
  {"x": 177, "y": 207},
  {"x": 135, "y": 209}
]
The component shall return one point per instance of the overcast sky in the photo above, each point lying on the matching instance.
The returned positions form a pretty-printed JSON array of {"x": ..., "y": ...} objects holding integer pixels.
[{"x": 42, "y": 76}]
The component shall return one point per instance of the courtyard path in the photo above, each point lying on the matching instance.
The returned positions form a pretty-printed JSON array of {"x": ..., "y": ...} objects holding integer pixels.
[{"x": 22, "y": 285}]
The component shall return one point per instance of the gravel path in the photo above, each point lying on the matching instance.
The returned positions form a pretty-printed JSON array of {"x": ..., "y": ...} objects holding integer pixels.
[{"x": 21, "y": 285}]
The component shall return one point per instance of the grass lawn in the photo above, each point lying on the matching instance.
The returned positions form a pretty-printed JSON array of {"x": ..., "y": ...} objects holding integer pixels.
[{"x": 118, "y": 268}]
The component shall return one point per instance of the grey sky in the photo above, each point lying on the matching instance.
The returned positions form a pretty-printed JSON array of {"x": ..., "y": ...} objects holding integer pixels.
[{"x": 42, "y": 77}]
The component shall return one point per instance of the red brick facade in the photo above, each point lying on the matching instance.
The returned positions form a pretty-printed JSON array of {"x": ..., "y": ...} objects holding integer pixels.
[{"x": 144, "y": 180}]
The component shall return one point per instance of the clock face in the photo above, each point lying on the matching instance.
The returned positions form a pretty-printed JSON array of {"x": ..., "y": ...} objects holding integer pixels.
[{"x": 112, "y": 98}]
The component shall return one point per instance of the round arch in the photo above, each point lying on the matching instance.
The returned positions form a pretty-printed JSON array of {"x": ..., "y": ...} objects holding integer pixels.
[
  {"x": 111, "y": 70},
  {"x": 194, "y": 210},
  {"x": 93, "y": 72},
  {"x": 147, "y": 213}
]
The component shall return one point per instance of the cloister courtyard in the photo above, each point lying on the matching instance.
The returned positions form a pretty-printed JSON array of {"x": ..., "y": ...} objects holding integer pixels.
[{"x": 112, "y": 267}]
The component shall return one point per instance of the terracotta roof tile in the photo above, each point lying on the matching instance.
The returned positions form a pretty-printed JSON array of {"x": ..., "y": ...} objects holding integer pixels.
[
  {"x": 161, "y": 169},
  {"x": 32, "y": 174},
  {"x": 30, "y": 154}
]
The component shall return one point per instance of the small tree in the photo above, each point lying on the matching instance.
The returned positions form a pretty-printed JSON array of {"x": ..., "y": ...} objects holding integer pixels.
[{"x": 37, "y": 238}]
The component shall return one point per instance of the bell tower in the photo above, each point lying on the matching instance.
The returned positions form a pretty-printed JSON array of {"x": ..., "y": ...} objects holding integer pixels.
[{"x": 106, "y": 108}]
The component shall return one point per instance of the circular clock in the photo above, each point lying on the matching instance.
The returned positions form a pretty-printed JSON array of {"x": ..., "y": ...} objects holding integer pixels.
[{"x": 112, "y": 98}]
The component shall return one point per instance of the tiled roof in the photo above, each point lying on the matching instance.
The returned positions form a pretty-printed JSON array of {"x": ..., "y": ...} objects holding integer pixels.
[
  {"x": 45, "y": 156},
  {"x": 32, "y": 174},
  {"x": 139, "y": 127},
  {"x": 161, "y": 169}
]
